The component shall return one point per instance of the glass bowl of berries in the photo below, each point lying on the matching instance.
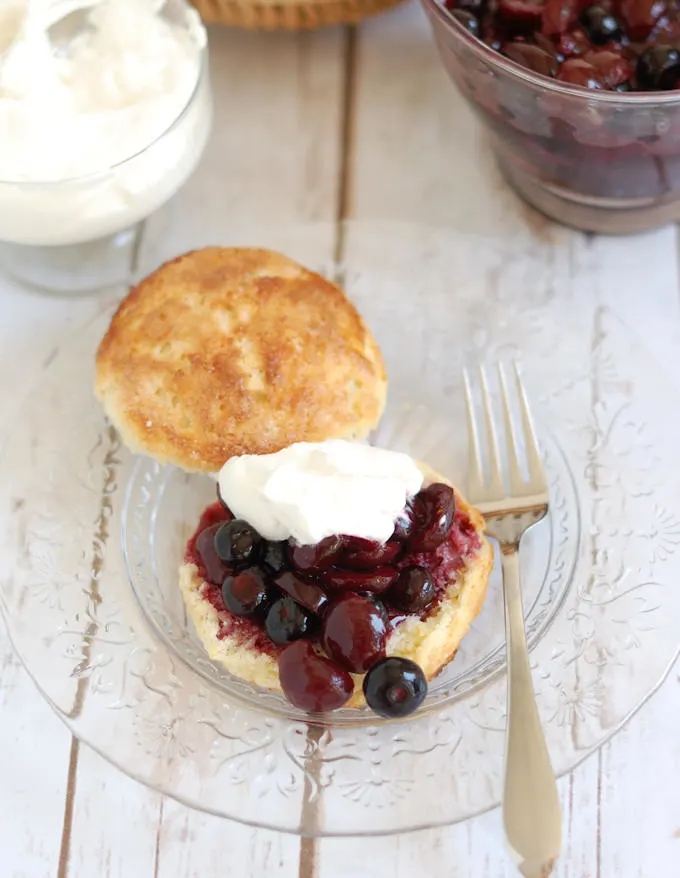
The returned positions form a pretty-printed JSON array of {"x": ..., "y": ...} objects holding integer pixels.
[{"x": 581, "y": 101}]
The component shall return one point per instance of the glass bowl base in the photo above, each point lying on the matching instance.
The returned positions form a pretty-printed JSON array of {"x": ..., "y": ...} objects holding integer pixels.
[
  {"x": 608, "y": 216},
  {"x": 72, "y": 269}
]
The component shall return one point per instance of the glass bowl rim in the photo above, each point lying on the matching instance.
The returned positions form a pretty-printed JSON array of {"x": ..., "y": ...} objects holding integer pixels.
[
  {"x": 435, "y": 9},
  {"x": 202, "y": 76}
]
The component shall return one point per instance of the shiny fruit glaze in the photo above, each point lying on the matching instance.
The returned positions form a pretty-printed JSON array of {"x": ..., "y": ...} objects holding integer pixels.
[
  {"x": 345, "y": 594},
  {"x": 443, "y": 563},
  {"x": 201, "y": 553}
]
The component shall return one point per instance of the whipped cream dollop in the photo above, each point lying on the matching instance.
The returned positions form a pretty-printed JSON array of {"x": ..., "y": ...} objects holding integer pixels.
[{"x": 312, "y": 490}]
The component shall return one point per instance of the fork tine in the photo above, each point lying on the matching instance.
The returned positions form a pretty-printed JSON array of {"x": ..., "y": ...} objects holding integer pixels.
[
  {"x": 517, "y": 482},
  {"x": 536, "y": 475},
  {"x": 475, "y": 479},
  {"x": 495, "y": 475}
]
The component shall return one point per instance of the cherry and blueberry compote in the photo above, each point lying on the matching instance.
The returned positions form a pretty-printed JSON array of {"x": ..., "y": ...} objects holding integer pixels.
[
  {"x": 325, "y": 611},
  {"x": 581, "y": 101},
  {"x": 613, "y": 45}
]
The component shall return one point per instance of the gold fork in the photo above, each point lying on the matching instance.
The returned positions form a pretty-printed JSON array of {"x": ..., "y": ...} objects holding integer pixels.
[{"x": 532, "y": 818}]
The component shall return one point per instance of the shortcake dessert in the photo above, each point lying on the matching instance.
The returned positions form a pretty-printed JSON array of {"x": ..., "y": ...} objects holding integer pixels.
[{"x": 335, "y": 571}]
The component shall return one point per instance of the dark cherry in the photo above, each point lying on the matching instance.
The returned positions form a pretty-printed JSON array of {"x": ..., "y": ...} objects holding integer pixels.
[
  {"x": 275, "y": 556},
  {"x": 312, "y": 682},
  {"x": 246, "y": 593},
  {"x": 520, "y": 14},
  {"x": 531, "y": 57},
  {"x": 612, "y": 67},
  {"x": 236, "y": 542},
  {"x": 365, "y": 555},
  {"x": 413, "y": 591},
  {"x": 215, "y": 568},
  {"x": 559, "y": 16},
  {"x": 579, "y": 72},
  {"x": 469, "y": 22},
  {"x": 375, "y": 581},
  {"x": 395, "y": 687},
  {"x": 545, "y": 43},
  {"x": 640, "y": 16},
  {"x": 354, "y": 632},
  {"x": 658, "y": 68},
  {"x": 287, "y": 621},
  {"x": 435, "y": 510},
  {"x": 601, "y": 26},
  {"x": 317, "y": 557},
  {"x": 309, "y": 594}
]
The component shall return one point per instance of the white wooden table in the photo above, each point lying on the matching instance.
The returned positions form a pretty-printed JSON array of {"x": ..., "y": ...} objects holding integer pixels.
[{"x": 346, "y": 123}]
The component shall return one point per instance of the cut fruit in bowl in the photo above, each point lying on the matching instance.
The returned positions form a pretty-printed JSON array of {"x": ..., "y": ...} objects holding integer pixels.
[{"x": 587, "y": 129}]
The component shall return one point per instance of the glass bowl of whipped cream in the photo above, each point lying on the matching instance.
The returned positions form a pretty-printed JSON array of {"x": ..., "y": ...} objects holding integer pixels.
[{"x": 105, "y": 110}]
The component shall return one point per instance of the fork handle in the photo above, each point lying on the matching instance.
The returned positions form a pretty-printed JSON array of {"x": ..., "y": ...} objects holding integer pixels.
[{"x": 531, "y": 809}]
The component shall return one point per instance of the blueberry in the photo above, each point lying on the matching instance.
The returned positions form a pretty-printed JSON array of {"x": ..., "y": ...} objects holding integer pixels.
[
  {"x": 601, "y": 26},
  {"x": 624, "y": 87},
  {"x": 413, "y": 591},
  {"x": 395, "y": 687},
  {"x": 288, "y": 621},
  {"x": 236, "y": 542},
  {"x": 246, "y": 593},
  {"x": 658, "y": 68},
  {"x": 469, "y": 22},
  {"x": 276, "y": 556}
]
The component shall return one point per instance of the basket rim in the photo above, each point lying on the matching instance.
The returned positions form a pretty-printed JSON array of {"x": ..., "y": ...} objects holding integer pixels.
[{"x": 297, "y": 4}]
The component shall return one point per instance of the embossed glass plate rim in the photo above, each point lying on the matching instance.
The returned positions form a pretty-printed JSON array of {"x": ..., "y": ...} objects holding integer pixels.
[
  {"x": 375, "y": 833},
  {"x": 191, "y": 802}
]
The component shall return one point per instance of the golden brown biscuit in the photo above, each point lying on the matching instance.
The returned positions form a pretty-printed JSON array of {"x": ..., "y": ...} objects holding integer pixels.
[
  {"x": 431, "y": 642},
  {"x": 229, "y": 351}
]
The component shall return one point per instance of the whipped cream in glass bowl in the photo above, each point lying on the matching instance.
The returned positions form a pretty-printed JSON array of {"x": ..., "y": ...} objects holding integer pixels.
[{"x": 105, "y": 109}]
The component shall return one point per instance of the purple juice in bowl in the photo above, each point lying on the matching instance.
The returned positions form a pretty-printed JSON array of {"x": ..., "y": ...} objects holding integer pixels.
[{"x": 581, "y": 101}]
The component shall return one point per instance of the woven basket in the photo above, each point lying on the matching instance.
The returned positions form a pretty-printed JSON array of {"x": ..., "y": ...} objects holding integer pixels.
[{"x": 289, "y": 14}]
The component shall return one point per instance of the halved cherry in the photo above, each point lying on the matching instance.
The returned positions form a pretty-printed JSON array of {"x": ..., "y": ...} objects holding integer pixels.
[
  {"x": 309, "y": 594},
  {"x": 215, "y": 568},
  {"x": 313, "y": 682},
  {"x": 317, "y": 557},
  {"x": 354, "y": 632},
  {"x": 366, "y": 555},
  {"x": 375, "y": 581},
  {"x": 435, "y": 510}
]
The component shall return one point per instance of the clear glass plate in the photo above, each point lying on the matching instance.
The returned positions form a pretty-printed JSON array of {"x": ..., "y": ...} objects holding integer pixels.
[{"x": 93, "y": 538}]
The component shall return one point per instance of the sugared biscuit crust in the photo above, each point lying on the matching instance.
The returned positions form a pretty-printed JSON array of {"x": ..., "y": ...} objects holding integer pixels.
[{"x": 228, "y": 351}]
